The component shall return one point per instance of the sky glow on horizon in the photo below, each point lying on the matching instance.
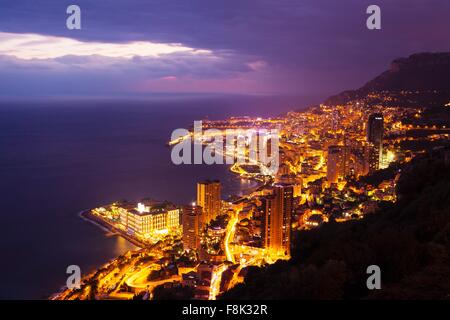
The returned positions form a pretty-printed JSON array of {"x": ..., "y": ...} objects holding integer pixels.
[{"x": 307, "y": 48}]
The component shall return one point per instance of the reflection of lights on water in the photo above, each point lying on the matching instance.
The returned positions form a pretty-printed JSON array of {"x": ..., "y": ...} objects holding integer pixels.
[{"x": 122, "y": 245}]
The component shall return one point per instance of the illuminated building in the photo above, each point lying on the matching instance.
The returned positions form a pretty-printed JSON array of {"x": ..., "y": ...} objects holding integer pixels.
[
  {"x": 192, "y": 226},
  {"x": 375, "y": 139},
  {"x": 297, "y": 190},
  {"x": 336, "y": 163},
  {"x": 373, "y": 157},
  {"x": 147, "y": 220},
  {"x": 314, "y": 220},
  {"x": 283, "y": 170},
  {"x": 357, "y": 162},
  {"x": 278, "y": 209},
  {"x": 293, "y": 180},
  {"x": 208, "y": 197}
]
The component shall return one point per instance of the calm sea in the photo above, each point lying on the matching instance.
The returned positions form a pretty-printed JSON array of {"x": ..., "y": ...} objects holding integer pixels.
[{"x": 59, "y": 157}]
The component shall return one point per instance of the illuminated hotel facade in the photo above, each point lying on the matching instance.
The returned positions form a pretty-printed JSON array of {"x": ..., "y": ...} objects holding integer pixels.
[{"x": 145, "y": 220}]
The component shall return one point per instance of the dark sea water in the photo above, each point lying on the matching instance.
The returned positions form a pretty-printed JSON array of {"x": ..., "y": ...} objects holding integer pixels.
[{"x": 59, "y": 157}]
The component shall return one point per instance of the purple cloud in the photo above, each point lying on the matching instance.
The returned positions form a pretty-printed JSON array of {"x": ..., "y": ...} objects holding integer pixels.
[{"x": 311, "y": 46}]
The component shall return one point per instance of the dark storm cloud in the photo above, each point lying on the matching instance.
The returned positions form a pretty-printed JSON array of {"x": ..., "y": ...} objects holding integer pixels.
[{"x": 308, "y": 46}]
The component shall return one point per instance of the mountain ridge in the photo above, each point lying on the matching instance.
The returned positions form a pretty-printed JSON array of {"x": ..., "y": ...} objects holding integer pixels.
[{"x": 422, "y": 79}]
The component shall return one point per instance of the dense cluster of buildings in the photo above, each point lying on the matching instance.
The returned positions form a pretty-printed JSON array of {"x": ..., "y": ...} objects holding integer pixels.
[
  {"x": 323, "y": 153},
  {"x": 351, "y": 159}
]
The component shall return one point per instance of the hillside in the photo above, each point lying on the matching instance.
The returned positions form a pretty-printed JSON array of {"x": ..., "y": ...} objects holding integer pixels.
[
  {"x": 422, "y": 79},
  {"x": 409, "y": 240}
]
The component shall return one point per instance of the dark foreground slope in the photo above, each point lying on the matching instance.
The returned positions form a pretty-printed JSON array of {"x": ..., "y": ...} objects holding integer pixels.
[{"x": 409, "y": 240}]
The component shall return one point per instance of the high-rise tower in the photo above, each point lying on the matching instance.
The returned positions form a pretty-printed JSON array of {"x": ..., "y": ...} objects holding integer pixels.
[
  {"x": 375, "y": 127},
  {"x": 208, "y": 197},
  {"x": 278, "y": 209},
  {"x": 336, "y": 163},
  {"x": 192, "y": 226}
]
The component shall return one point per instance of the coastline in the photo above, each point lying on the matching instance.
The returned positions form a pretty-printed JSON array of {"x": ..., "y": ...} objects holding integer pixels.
[{"x": 105, "y": 226}]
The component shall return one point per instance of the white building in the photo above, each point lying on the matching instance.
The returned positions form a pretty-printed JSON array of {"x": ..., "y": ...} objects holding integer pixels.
[{"x": 146, "y": 221}]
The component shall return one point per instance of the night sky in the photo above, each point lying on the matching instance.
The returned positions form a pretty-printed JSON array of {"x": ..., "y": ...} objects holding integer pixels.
[{"x": 131, "y": 47}]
